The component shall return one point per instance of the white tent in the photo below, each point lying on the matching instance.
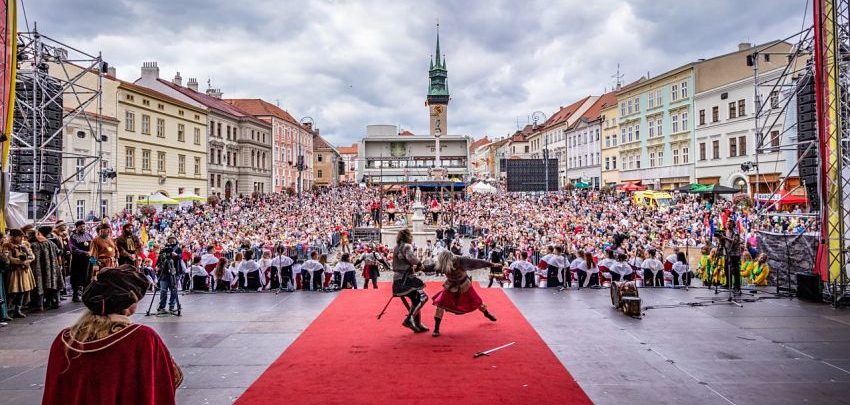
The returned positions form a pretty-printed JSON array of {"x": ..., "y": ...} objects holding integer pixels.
[
  {"x": 16, "y": 210},
  {"x": 484, "y": 188}
]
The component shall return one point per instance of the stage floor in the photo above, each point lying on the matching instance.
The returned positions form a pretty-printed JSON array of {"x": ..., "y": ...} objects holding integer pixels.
[{"x": 772, "y": 351}]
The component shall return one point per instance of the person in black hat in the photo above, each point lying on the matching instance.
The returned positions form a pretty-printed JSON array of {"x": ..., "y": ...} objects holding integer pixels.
[
  {"x": 80, "y": 243},
  {"x": 106, "y": 358}
]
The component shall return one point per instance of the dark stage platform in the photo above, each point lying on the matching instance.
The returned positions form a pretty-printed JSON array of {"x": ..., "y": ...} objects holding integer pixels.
[{"x": 773, "y": 351}]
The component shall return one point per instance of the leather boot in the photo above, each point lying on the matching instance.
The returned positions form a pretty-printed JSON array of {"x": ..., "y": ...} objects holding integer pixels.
[
  {"x": 76, "y": 296},
  {"x": 436, "y": 332},
  {"x": 417, "y": 321}
]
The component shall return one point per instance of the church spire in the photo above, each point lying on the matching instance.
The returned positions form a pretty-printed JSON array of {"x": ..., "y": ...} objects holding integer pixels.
[{"x": 438, "y": 46}]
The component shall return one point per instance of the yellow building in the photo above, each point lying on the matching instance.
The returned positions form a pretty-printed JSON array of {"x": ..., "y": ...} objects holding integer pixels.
[{"x": 162, "y": 146}]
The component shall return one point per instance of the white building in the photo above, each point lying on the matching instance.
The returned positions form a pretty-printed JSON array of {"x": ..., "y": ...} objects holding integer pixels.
[
  {"x": 585, "y": 146},
  {"x": 552, "y": 135},
  {"x": 81, "y": 169},
  {"x": 391, "y": 158}
]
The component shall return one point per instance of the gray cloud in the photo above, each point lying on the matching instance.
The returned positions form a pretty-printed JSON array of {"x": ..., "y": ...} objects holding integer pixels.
[{"x": 352, "y": 63}]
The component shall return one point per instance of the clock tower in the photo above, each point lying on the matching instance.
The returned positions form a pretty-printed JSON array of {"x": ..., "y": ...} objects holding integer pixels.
[{"x": 438, "y": 92}]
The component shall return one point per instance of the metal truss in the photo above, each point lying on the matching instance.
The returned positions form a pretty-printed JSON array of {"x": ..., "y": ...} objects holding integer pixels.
[{"x": 46, "y": 64}]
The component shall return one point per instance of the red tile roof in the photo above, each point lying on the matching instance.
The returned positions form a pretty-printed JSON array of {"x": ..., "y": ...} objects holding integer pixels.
[
  {"x": 564, "y": 113},
  {"x": 320, "y": 143},
  {"x": 478, "y": 143},
  {"x": 405, "y": 133},
  {"x": 592, "y": 113},
  {"x": 153, "y": 93},
  {"x": 212, "y": 102},
  {"x": 348, "y": 150},
  {"x": 260, "y": 108}
]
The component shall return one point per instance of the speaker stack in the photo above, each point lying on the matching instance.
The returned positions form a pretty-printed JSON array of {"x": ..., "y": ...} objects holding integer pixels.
[
  {"x": 36, "y": 159},
  {"x": 807, "y": 134}
]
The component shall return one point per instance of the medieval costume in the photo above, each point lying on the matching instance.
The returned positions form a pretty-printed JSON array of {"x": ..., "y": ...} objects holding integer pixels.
[
  {"x": 103, "y": 249},
  {"x": 406, "y": 284},
  {"x": 346, "y": 273},
  {"x": 80, "y": 243},
  {"x": 371, "y": 260},
  {"x": 129, "y": 246},
  {"x": 19, "y": 279},
  {"x": 106, "y": 359},
  {"x": 281, "y": 271},
  {"x": 59, "y": 237},
  {"x": 457, "y": 295},
  {"x": 46, "y": 271}
]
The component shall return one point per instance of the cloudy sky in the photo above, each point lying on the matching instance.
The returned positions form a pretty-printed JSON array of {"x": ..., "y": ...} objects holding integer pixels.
[{"x": 348, "y": 64}]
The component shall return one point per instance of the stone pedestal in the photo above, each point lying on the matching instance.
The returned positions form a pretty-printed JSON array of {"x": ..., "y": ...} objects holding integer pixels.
[{"x": 421, "y": 236}]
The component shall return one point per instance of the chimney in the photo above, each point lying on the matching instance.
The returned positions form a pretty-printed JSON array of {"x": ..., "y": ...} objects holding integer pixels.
[
  {"x": 111, "y": 72},
  {"x": 178, "y": 80},
  {"x": 150, "y": 71},
  {"x": 743, "y": 46},
  {"x": 214, "y": 92},
  {"x": 192, "y": 83}
]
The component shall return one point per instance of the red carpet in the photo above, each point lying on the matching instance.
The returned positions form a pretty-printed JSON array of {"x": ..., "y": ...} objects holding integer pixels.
[{"x": 347, "y": 356}]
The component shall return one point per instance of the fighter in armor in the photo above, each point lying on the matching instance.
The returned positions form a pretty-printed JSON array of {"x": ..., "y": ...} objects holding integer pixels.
[
  {"x": 406, "y": 284},
  {"x": 457, "y": 295}
]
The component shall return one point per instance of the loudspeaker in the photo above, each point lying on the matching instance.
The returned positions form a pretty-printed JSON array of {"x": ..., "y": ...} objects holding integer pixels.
[
  {"x": 38, "y": 116},
  {"x": 809, "y": 287},
  {"x": 807, "y": 127}
]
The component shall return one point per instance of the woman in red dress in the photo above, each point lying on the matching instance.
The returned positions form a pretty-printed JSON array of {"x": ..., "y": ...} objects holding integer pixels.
[
  {"x": 457, "y": 295},
  {"x": 105, "y": 358}
]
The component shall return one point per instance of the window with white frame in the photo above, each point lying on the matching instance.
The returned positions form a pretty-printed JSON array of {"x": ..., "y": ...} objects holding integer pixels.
[
  {"x": 660, "y": 157},
  {"x": 81, "y": 164},
  {"x": 614, "y": 140},
  {"x": 631, "y": 133},
  {"x": 674, "y": 123},
  {"x": 197, "y": 136},
  {"x": 637, "y": 131},
  {"x": 659, "y": 97},
  {"x": 675, "y": 156},
  {"x": 630, "y": 104},
  {"x": 181, "y": 164},
  {"x": 684, "y": 89},
  {"x": 81, "y": 209},
  {"x": 623, "y": 108},
  {"x": 686, "y": 155},
  {"x": 146, "y": 124},
  {"x": 614, "y": 163},
  {"x": 623, "y": 135},
  {"x": 160, "y": 161},
  {"x": 181, "y": 133},
  {"x": 607, "y": 141},
  {"x": 651, "y": 100},
  {"x": 104, "y": 208},
  {"x": 160, "y": 127},
  {"x": 607, "y": 163},
  {"x": 197, "y": 166},
  {"x": 658, "y": 123},
  {"x": 128, "y": 202},
  {"x": 637, "y": 104},
  {"x": 146, "y": 159},
  {"x": 130, "y": 158},
  {"x": 651, "y": 129},
  {"x": 651, "y": 159},
  {"x": 684, "y": 119},
  {"x": 129, "y": 121},
  {"x": 674, "y": 93}
]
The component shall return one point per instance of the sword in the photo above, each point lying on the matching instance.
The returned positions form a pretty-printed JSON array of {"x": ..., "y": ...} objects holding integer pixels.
[{"x": 487, "y": 352}]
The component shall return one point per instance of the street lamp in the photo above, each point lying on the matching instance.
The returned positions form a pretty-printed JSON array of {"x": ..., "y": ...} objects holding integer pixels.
[
  {"x": 300, "y": 161},
  {"x": 534, "y": 118}
]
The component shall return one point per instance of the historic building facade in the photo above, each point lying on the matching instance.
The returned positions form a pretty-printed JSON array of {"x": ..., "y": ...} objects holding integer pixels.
[
  {"x": 289, "y": 141},
  {"x": 161, "y": 146}
]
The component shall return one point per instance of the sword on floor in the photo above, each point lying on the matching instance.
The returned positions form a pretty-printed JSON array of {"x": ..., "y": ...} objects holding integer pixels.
[
  {"x": 403, "y": 301},
  {"x": 487, "y": 352}
]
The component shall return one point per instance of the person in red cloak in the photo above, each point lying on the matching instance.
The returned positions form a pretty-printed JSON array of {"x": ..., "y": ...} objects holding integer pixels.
[
  {"x": 457, "y": 295},
  {"x": 104, "y": 358}
]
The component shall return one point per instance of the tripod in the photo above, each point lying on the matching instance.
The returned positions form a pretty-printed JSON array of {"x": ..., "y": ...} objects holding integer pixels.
[
  {"x": 723, "y": 252},
  {"x": 176, "y": 298}
]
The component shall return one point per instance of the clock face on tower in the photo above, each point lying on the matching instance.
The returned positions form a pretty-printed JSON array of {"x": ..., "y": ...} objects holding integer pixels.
[{"x": 438, "y": 109}]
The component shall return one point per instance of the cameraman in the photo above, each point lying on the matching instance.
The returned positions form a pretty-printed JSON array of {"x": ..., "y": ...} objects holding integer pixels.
[{"x": 169, "y": 266}]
